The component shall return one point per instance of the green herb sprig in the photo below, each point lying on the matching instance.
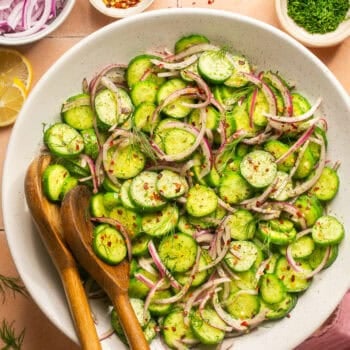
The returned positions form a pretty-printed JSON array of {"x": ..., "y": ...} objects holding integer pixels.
[
  {"x": 13, "y": 284},
  {"x": 8, "y": 335}
]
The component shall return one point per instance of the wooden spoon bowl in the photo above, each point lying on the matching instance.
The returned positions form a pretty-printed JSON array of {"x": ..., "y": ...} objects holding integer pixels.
[
  {"x": 47, "y": 218},
  {"x": 114, "y": 280}
]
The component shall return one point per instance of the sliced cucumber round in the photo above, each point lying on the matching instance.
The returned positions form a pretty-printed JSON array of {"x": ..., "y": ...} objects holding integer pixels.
[
  {"x": 259, "y": 168},
  {"x": 63, "y": 141},
  {"x": 178, "y": 252},
  {"x": 201, "y": 201},
  {"x": 143, "y": 192}
]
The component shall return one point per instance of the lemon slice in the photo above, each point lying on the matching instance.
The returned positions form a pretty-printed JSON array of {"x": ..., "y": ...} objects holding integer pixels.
[
  {"x": 15, "y": 67},
  {"x": 12, "y": 97}
]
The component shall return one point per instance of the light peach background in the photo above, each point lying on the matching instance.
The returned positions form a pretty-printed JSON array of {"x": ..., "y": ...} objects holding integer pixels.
[{"x": 39, "y": 332}]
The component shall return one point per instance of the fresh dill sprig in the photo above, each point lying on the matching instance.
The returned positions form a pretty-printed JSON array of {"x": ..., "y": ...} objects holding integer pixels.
[
  {"x": 13, "y": 284},
  {"x": 8, "y": 335},
  {"x": 140, "y": 140}
]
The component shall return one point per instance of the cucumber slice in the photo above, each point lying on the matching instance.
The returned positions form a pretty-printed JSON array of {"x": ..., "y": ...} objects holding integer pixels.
[
  {"x": 125, "y": 162},
  {"x": 240, "y": 64},
  {"x": 106, "y": 109},
  {"x": 272, "y": 289},
  {"x": 141, "y": 67},
  {"x": 178, "y": 252},
  {"x": 282, "y": 188},
  {"x": 300, "y": 104},
  {"x": 241, "y": 224},
  {"x": 213, "y": 117},
  {"x": 328, "y": 230},
  {"x": 74, "y": 166},
  {"x": 277, "y": 149},
  {"x": 63, "y": 141},
  {"x": 243, "y": 306},
  {"x": 318, "y": 253},
  {"x": 140, "y": 245},
  {"x": 310, "y": 207},
  {"x": 143, "y": 115},
  {"x": 53, "y": 180},
  {"x": 327, "y": 185},
  {"x": 247, "y": 253},
  {"x": 261, "y": 107},
  {"x": 281, "y": 309},
  {"x": 97, "y": 207},
  {"x": 174, "y": 329},
  {"x": 175, "y": 109},
  {"x": 91, "y": 147},
  {"x": 160, "y": 223},
  {"x": 138, "y": 289},
  {"x": 79, "y": 117},
  {"x": 276, "y": 236},
  {"x": 143, "y": 192},
  {"x": 128, "y": 218},
  {"x": 144, "y": 91},
  {"x": 259, "y": 168},
  {"x": 201, "y": 325},
  {"x": 125, "y": 197},
  {"x": 233, "y": 188},
  {"x": 302, "y": 247},
  {"x": 69, "y": 183},
  {"x": 293, "y": 281},
  {"x": 201, "y": 201},
  {"x": 189, "y": 40},
  {"x": 200, "y": 277},
  {"x": 109, "y": 245},
  {"x": 160, "y": 309},
  {"x": 185, "y": 226},
  {"x": 177, "y": 141},
  {"x": 306, "y": 165},
  {"x": 214, "y": 66},
  {"x": 171, "y": 185},
  {"x": 111, "y": 200}
]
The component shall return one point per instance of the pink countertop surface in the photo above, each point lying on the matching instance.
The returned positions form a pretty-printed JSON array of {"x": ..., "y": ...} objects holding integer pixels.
[{"x": 22, "y": 311}]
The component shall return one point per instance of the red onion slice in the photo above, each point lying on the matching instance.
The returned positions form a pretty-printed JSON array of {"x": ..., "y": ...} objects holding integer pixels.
[{"x": 296, "y": 119}]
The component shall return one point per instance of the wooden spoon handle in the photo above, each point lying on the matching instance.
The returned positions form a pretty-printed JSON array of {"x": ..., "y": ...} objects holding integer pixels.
[
  {"x": 129, "y": 322},
  {"x": 80, "y": 309}
]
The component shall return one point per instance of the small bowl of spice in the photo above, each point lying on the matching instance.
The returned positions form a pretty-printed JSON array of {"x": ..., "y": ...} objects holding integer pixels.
[
  {"x": 315, "y": 23},
  {"x": 120, "y": 8}
]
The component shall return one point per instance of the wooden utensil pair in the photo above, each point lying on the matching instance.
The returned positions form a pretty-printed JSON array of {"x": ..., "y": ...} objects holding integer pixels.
[{"x": 70, "y": 224}]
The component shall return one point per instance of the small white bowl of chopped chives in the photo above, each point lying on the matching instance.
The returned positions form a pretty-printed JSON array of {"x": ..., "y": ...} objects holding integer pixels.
[
  {"x": 315, "y": 23},
  {"x": 120, "y": 8}
]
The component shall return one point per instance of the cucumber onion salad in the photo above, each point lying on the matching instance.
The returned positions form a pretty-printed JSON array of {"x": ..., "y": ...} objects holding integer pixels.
[
  {"x": 21, "y": 18},
  {"x": 211, "y": 178}
]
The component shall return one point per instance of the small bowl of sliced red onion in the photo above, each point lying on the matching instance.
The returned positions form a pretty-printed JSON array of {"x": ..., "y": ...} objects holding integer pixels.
[{"x": 25, "y": 21}]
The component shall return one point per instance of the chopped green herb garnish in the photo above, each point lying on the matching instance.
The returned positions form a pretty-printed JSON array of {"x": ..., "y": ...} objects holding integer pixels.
[{"x": 318, "y": 16}]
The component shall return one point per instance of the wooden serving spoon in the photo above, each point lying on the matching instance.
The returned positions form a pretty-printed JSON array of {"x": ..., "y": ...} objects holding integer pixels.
[
  {"x": 47, "y": 218},
  {"x": 114, "y": 280}
]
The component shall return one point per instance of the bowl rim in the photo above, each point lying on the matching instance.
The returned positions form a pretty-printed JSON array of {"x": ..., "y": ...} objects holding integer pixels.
[
  {"x": 306, "y": 38},
  {"x": 67, "y": 9},
  {"x": 120, "y": 13},
  {"x": 69, "y": 332}
]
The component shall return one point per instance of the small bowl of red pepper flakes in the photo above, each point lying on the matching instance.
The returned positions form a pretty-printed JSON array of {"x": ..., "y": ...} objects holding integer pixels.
[{"x": 120, "y": 8}]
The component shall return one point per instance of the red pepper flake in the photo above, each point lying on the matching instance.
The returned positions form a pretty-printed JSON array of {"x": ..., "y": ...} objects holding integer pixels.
[
  {"x": 210, "y": 2},
  {"x": 121, "y": 4},
  {"x": 244, "y": 324}
]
